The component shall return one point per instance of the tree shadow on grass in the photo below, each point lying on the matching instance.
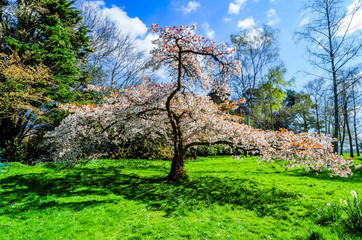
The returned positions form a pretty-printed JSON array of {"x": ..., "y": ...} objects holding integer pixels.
[{"x": 40, "y": 191}]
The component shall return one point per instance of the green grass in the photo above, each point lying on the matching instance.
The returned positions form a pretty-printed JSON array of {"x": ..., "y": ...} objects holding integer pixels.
[
  {"x": 128, "y": 199},
  {"x": 354, "y": 156}
]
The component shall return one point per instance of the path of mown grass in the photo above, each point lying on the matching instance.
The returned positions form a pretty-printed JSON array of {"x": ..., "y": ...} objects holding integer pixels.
[{"x": 127, "y": 199}]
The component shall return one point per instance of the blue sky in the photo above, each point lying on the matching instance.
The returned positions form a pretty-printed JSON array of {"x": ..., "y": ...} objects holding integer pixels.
[{"x": 218, "y": 19}]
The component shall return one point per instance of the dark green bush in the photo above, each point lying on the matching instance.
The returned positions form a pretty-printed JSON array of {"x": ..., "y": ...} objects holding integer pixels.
[
  {"x": 214, "y": 150},
  {"x": 143, "y": 148}
]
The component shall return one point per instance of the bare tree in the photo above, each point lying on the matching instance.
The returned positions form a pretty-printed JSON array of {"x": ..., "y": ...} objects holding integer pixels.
[
  {"x": 327, "y": 113},
  {"x": 347, "y": 97},
  {"x": 257, "y": 50},
  {"x": 344, "y": 100},
  {"x": 332, "y": 42},
  {"x": 116, "y": 61},
  {"x": 316, "y": 90}
]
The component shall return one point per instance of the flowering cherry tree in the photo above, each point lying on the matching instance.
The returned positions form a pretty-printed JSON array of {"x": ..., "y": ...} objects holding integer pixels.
[
  {"x": 180, "y": 114},
  {"x": 193, "y": 61}
]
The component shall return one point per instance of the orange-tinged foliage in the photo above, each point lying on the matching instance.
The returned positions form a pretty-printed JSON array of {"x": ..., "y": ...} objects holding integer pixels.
[{"x": 21, "y": 87}]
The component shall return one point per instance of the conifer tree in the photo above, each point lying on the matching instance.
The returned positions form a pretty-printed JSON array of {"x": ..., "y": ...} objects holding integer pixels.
[{"x": 51, "y": 31}]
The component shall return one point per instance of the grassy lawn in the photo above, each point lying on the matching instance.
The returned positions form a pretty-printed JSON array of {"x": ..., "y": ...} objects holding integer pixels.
[{"x": 127, "y": 199}]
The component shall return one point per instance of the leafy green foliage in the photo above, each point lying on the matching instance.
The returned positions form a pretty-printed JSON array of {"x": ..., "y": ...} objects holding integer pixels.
[
  {"x": 56, "y": 38},
  {"x": 22, "y": 101},
  {"x": 51, "y": 32},
  {"x": 296, "y": 112},
  {"x": 64, "y": 46},
  {"x": 269, "y": 98}
]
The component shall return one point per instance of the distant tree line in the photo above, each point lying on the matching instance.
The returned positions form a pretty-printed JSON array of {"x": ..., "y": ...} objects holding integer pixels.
[{"x": 330, "y": 103}]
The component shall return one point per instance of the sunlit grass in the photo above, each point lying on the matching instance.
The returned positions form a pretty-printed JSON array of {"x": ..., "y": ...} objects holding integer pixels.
[{"x": 128, "y": 199}]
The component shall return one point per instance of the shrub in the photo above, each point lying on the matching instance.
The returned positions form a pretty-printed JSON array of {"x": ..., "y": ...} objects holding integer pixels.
[
  {"x": 346, "y": 212},
  {"x": 213, "y": 150},
  {"x": 330, "y": 213},
  {"x": 353, "y": 209},
  {"x": 144, "y": 148}
]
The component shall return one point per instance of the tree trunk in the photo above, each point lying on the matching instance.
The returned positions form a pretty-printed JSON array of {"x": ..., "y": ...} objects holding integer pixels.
[
  {"x": 8, "y": 134},
  {"x": 355, "y": 122},
  {"x": 349, "y": 135},
  {"x": 335, "y": 82},
  {"x": 345, "y": 117},
  {"x": 326, "y": 122},
  {"x": 177, "y": 171},
  {"x": 317, "y": 115},
  {"x": 336, "y": 112},
  {"x": 342, "y": 138}
]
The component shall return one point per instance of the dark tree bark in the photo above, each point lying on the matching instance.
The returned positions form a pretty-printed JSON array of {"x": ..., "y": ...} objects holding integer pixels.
[
  {"x": 342, "y": 134},
  {"x": 349, "y": 135},
  {"x": 355, "y": 122},
  {"x": 345, "y": 100},
  {"x": 177, "y": 171}
]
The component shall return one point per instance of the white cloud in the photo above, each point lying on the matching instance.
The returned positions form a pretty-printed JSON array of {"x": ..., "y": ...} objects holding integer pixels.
[
  {"x": 321, "y": 44},
  {"x": 209, "y": 32},
  {"x": 133, "y": 27},
  {"x": 246, "y": 23},
  {"x": 304, "y": 22},
  {"x": 190, "y": 7},
  {"x": 145, "y": 44},
  {"x": 226, "y": 19},
  {"x": 354, "y": 10},
  {"x": 273, "y": 18},
  {"x": 254, "y": 37},
  {"x": 272, "y": 1},
  {"x": 234, "y": 7}
]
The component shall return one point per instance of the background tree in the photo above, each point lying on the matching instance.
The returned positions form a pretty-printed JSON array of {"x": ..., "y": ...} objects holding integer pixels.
[
  {"x": 116, "y": 60},
  {"x": 22, "y": 97},
  {"x": 303, "y": 108},
  {"x": 331, "y": 43},
  {"x": 316, "y": 90},
  {"x": 257, "y": 50},
  {"x": 347, "y": 99},
  {"x": 52, "y": 32},
  {"x": 269, "y": 98}
]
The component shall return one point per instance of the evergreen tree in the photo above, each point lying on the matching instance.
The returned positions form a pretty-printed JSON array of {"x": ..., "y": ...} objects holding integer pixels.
[
  {"x": 51, "y": 31},
  {"x": 58, "y": 42}
]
